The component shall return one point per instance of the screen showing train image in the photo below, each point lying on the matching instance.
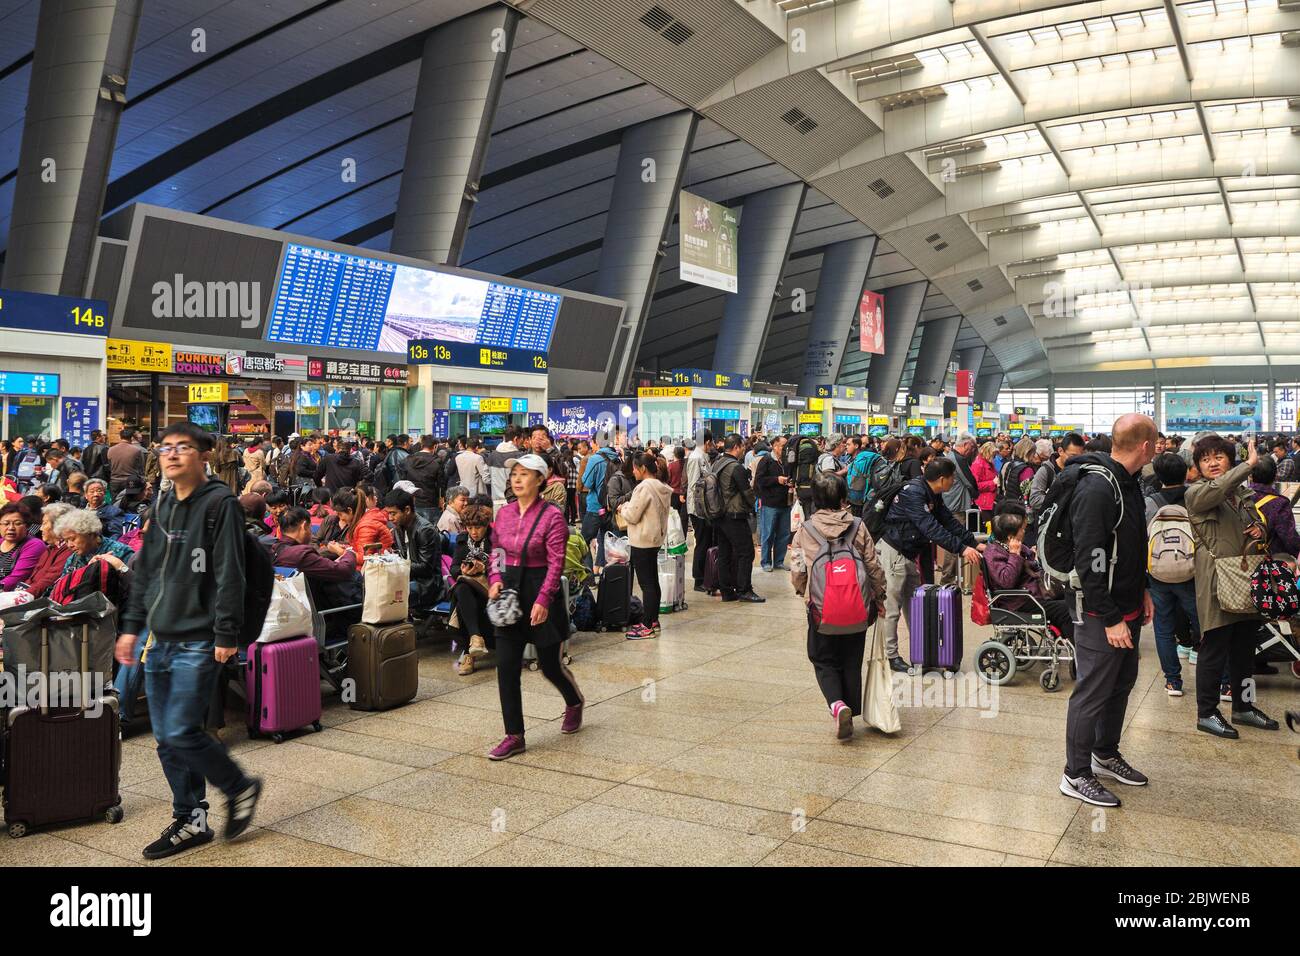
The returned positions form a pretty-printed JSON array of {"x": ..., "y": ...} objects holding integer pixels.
[{"x": 345, "y": 301}]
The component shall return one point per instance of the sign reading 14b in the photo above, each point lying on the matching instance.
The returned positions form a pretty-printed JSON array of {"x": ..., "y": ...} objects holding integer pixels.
[{"x": 36, "y": 312}]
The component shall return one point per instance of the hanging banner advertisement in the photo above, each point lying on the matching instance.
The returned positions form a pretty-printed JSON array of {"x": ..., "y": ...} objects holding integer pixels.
[
  {"x": 871, "y": 323},
  {"x": 1231, "y": 412},
  {"x": 78, "y": 418},
  {"x": 583, "y": 418},
  {"x": 707, "y": 242}
]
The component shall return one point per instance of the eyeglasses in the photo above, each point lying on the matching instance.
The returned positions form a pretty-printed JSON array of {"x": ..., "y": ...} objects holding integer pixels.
[{"x": 164, "y": 450}]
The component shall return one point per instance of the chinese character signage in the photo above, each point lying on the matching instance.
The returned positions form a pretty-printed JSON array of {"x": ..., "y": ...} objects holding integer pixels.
[
  {"x": 669, "y": 392},
  {"x": 472, "y": 355},
  {"x": 28, "y": 383},
  {"x": 441, "y": 423},
  {"x": 209, "y": 392},
  {"x": 359, "y": 372},
  {"x": 130, "y": 356},
  {"x": 78, "y": 417},
  {"x": 707, "y": 378},
  {"x": 871, "y": 323},
  {"x": 707, "y": 242}
]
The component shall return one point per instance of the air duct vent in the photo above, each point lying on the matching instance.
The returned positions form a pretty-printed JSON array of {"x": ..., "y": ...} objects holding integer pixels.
[
  {"x": 800, "y": 120},
  {"x": 881, "y": 188},
  {"x": 662, "y": 22},
  {"x": 1000, "y": 320},
  {"x": 678, "y": 33},
  {"x": 932, "y": 238},
  {"x": 975, "y": 285},
  {"x": 656, "y": 18},
  {"x": 940, "y": 247}
]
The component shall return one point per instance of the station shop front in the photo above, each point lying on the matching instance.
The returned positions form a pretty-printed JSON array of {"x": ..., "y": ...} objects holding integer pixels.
[
  {"x": 473, "y": 403},
  {"x": 152, "y": 384},
  {"x": 768, "y": 414}
]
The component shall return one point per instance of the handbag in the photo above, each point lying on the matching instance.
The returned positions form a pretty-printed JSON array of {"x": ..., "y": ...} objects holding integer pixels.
[
  {"x": 1273, "y": 591},
  {"x": 1232, "y": 577},
  {"x": 505, "y": 609},
  {"x": 289, "y": 613},
  {"x": 387, "y": 589},
  {"x": 878, "y": 707}
]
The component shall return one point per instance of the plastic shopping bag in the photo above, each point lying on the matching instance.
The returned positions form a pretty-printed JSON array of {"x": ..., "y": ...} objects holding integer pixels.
[
  {"x": 289, "y": 614},
  {"x": 675, "y": 540},
  {"x": 387, "y": 583},
  {"x": 617, "y": 549},
  {"x": 796, "y": 518}
]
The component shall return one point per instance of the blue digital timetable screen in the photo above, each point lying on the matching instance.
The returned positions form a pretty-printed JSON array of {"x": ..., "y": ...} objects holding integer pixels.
[{"x": 341, "y": 300}]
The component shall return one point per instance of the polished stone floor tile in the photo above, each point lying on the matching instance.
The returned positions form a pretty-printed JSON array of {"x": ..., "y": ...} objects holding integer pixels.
[{"x": 499, "y": 807}]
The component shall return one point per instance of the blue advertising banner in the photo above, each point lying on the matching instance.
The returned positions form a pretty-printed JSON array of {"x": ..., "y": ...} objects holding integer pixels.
[
  {"x": 78, "y": 417},
  {"x": 471, "y": 355},
  {"x": 34, "y": 311},
  {"x": 585, "y": 417},
  {"x": 1230, "y": 412},
  {"x": 441, "y": 423}
]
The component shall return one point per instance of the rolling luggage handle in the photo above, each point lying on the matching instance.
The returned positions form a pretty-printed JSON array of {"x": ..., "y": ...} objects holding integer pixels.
[{"x": 45, "y": 665}]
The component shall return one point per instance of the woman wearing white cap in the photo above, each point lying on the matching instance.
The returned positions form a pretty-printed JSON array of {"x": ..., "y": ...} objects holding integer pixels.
[{"x": 533, "y": 534}]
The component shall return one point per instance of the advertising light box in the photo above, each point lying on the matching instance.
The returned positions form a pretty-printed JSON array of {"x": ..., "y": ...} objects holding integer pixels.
[{"x": 341, "y": 300}]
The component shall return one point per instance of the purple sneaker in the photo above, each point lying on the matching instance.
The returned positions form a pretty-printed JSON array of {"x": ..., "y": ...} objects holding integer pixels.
[
  {"x": 513, "y": 744},
  {"x": 572, "y": 719}
]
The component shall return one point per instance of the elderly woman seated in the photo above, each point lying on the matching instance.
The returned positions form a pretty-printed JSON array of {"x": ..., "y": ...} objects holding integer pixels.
[
  {"x": 1011, "y": 567},
  {"x": 83, "y": 533},
  {"x": 111, "y": 517},
  {"x": 49, "y": 567}
]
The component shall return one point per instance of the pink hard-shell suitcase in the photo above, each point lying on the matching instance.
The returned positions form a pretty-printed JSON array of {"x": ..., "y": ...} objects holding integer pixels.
[{"x": 283, "y": 687}]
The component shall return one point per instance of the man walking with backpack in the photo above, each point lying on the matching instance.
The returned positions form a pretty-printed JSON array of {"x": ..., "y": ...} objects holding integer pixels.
[
  {"x": 729, "y": 508},
  {"x": 1092, "y": 524},
  {"x": 191, "y": 595},
  {"x": 595, "y": 478},
  {"x": 1171, "y": 566}
]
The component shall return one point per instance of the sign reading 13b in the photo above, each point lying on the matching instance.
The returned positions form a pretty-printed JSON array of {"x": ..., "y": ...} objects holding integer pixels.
[{"x": 474, "y": 355}]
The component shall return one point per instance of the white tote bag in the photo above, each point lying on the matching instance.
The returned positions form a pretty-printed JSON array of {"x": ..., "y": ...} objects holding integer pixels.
[
  {"x": 387, "y": 580},
  {"x": 289, "y": 614},
  {"x": 878, "y": 707},
  {"x": 675, "y": 540}
]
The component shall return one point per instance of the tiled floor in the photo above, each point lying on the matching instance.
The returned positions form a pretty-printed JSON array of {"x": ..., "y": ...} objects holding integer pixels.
[{"x": 712, "y": 745}]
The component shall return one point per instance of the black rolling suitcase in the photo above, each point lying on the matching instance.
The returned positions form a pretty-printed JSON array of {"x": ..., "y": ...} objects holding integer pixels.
[
  {"x": 62, "y": 762},
  {"x": 614, "y": 599}
]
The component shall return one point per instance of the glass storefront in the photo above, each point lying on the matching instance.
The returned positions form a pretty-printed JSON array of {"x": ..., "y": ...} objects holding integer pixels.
[{"x": 365, "y": 411}]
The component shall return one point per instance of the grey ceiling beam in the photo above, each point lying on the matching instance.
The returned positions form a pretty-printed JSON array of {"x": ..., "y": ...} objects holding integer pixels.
[
  {"x": 640, "y": 214},
  {"x": 902, "y": 311},
  {"x": 80, "y": 67},
  {"x": 938, "y": 337},
  {"x": 845, "y": 267},
  {"x": 769, "y": 221},
  {"x": 461, "y": 73}
]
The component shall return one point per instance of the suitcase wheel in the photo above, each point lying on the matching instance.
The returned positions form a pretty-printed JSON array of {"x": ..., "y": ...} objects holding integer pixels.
[
  {"x": 278, "y": 738},
  {"x": 568, "y": 659},
  {"x": 17, "y": 830},
  {"x": 532, "y": 665},
  {"x": 949, "y": 675},
  {"x": 114, "y": 814},
  {"x": 315, "y": 725}
]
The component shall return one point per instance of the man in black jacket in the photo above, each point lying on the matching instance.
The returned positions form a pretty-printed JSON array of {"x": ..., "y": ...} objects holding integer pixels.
[
  {"x": 1110, "y": 560},
  {"x": 773, "y": 487},
  {"x": 94, "y": 457},
  {"x": 339, "y": 469},
  {"x": 731, "y": 531},
  {"x": 421, "y": 544},
  {"x": 917, "y": 519},
  {"x": 190, "y": 596},
  {"x": 427, "y": 471}
]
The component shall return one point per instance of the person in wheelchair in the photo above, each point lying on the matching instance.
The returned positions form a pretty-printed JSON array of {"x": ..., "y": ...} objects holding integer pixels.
[{"x": 1011, "y": 567}]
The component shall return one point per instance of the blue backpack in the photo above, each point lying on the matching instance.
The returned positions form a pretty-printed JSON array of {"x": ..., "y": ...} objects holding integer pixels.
[{"x": 859, "y": 475}]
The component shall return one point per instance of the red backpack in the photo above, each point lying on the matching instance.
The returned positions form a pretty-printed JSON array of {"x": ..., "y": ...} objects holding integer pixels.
[
  {"x": 839, "y": 591},
  {"x": 80, "y": 583}
]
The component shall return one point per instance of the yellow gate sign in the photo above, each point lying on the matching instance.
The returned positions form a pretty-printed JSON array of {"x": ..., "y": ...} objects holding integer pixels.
[
  {"x": 664, "y": 392},
  {"x": 132, "y": 356},
  {"x": 209, "y": 392}
]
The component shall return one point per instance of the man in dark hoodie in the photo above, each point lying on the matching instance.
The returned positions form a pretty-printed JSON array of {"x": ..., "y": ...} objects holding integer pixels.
[
  {"x": 339, "y": 469},
  {"x": 428, "y": 472},
  {"x": 1110, "y": 561},
  {"x": 189, "y": 594}
]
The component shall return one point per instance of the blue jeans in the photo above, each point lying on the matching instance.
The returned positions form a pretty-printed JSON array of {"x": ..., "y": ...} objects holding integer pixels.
[
  {"x": 179, "y": 679},
  {"x": 773, "y": 535},
  {"x": 1167, "y": 598},
  {"x": 129, "y": 679}
]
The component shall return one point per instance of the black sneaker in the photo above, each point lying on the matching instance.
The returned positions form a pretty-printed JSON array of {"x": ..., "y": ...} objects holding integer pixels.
[
  {"x": 181, "y": 835},
  {"x": 898, "y": 665},
  {"x": 701, "y": 588},
  {"x": 239, "y": 810},
  {"x": 730, "y": 597},
  {"x": 750, "y": 597},
  {"x": 1215, "y": 724},
  {"x": 1089, "y": 790},
  {"x": 1117, "y": 768},
  {"x": 1255, "y": 718}
]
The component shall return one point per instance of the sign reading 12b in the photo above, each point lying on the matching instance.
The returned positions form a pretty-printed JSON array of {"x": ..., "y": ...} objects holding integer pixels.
[
  {"x": 36, "y": 312},
  {"x": 473, "y": 355}
]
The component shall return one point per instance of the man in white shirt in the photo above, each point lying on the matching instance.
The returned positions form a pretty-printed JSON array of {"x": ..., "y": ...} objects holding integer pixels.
[
  {"x": 698, "y": 459},
  {"x": 472, "y": 470}
]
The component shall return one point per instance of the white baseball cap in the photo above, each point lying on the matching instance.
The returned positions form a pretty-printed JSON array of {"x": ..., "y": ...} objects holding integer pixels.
[{"x": 532, "y": 462}]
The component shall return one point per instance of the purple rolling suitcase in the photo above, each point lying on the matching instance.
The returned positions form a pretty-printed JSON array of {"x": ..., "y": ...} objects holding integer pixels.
[
  {"x": 934, "y": 622},
  {"x": 712, "y": 579},
  {"x": 283, "y": 687}
]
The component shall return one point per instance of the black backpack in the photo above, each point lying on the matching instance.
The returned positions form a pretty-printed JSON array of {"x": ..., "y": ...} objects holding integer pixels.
[
  {"x": 259, "y": 579},
  {"x": 1055, "y": 533},
  {"x": 1008, "y": 487},
  {"x": 882, "y": 489},
  {"x": 805, "y": 462}
]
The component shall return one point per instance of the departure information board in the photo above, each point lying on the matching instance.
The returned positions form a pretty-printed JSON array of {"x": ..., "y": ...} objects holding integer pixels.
[{"x": 340, "y": 300}]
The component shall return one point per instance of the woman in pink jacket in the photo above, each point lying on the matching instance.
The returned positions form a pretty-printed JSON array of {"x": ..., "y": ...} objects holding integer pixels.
[
  {"x": 533, "y": 534},
  {"x": 986, "y": 480}
]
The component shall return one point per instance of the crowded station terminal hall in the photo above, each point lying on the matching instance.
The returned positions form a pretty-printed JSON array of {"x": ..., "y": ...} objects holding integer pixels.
[{"x": 552, "y": 433}]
